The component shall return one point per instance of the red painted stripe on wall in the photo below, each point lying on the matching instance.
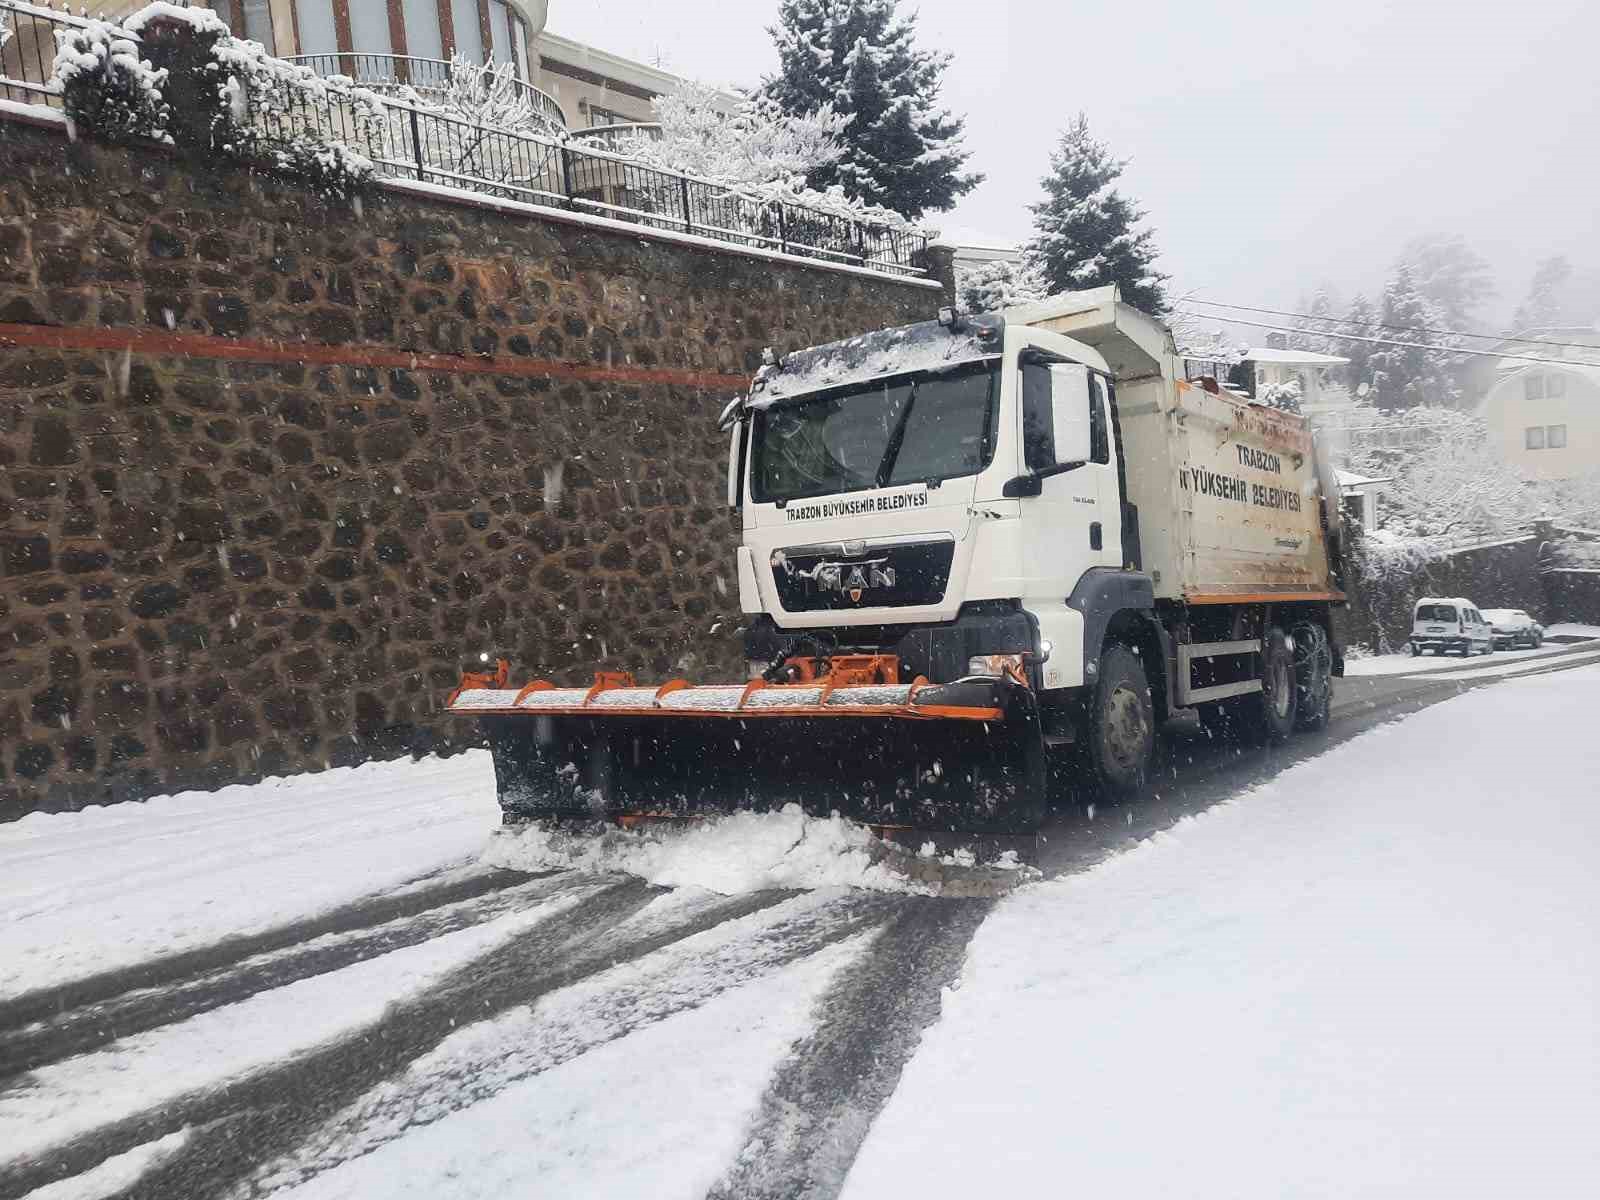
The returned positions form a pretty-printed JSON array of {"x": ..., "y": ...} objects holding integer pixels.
[{"x": 200, "y": 345}]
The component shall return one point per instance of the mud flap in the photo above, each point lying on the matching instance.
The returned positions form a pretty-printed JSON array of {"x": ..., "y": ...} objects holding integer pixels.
[{"x": 933, "y": 773}]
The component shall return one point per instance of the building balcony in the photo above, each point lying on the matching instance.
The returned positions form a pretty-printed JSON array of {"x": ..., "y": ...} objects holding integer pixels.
[
  {"x": 428, "y": 77},
  {"x": 614, "y": 138}
]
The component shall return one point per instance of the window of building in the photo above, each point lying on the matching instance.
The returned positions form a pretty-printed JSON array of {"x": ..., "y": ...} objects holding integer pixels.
[
  {"x": 422, "y": 29},
  {"x": 1533, "y": 387},
  {"x": 1555, "y": 385},
  {"x": 606, "y": 116},
  {"x": 500, "y": 31},
  {"x": 258, "y": 23},
  {"x": 519, "y": 45},
  {"x": 1555, "y": 437},
  {"x": 469, "y": 34},
  {"x": 1533, "y": 437},
  {"x": 317, "y": 31}
]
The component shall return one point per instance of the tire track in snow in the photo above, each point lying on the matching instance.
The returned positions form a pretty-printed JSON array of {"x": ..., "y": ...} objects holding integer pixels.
[
  {"x": 174, "y": 969},
  {"x": 823, "y": 1098},
  {"x": 86, "y": 1028},
  {"x": 484, "y": 1060},
  {"x": 265, "y": 1115},
  {"x": 269, "y": 1105}
]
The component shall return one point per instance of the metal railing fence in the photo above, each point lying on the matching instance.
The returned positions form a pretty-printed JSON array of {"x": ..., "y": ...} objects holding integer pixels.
[
  {"x": 28, "y": 50},
  {"x": 427, "y": 76},
  {"x": 404, "y": 140}
]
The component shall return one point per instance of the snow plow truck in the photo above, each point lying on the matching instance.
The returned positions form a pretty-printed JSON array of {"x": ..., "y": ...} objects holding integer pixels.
[{"x": 975, "y": 552}]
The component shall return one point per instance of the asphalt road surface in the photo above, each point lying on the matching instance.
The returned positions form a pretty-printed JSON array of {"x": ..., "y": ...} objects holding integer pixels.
[{"x": 818, "y": 1103}]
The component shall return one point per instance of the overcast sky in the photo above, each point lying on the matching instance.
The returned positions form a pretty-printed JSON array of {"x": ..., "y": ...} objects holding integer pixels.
[{"x": 1276, "y": 146}]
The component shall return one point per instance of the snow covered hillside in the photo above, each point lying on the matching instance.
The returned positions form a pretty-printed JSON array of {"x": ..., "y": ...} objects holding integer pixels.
[{"x": 1377, "y": 975}]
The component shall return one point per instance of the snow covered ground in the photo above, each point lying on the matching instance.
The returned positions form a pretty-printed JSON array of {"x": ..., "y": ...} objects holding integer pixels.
[
  {"x": 111, "y": 886},
  {"x": 1377, "y": 975}
]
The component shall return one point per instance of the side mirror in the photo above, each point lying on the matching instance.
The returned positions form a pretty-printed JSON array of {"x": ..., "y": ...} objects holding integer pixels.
[
  {"x": 1070, "y": 400},
  {"x": 735, "y": 464}
]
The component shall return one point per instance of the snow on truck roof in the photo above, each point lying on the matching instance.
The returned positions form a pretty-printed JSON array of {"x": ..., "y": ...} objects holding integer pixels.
[
  {"x": 925, "y": 346},
  {"x": 1461, "y": 600}
]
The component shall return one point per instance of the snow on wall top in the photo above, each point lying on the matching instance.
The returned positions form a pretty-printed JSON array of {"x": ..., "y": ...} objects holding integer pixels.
[{"x": 926, "y": 346}]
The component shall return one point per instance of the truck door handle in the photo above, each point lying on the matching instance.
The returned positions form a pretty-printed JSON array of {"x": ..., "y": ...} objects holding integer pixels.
[{"x": 1094, "y": 535}]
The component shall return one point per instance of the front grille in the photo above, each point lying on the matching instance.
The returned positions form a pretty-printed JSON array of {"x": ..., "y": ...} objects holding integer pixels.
[{"x": 897, "y": 575}]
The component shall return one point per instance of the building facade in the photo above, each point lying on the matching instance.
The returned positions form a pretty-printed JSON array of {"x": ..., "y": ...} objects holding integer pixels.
[{"x": 1545, "y": 418}]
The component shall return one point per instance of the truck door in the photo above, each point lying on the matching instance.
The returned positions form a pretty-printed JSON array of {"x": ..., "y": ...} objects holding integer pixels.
[{"x": 1075, "y": 520}]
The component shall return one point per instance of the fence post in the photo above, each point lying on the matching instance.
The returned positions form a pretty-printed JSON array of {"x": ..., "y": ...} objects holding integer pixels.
[
  {"x": 683, "y": 190},
  {"x": 566, "y": 174},
  {"x": 416, "y": 145},
  {"x": 783, "y": 230}
]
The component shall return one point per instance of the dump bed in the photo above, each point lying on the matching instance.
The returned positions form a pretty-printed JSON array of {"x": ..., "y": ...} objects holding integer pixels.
[{"x": 1231, "y": 501}]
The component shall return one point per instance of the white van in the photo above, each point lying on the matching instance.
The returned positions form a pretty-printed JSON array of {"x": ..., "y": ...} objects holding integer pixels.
[{"x": 1450, "y": 623}]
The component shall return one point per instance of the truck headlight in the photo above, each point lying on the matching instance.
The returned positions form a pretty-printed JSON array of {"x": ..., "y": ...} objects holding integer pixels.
[{"x": 996, "y": 665}]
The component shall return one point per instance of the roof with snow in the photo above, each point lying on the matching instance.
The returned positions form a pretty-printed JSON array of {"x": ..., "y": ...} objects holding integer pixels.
[
  {"x": 1349, "y": 479},
  {"x": 1296, "y": 358}
]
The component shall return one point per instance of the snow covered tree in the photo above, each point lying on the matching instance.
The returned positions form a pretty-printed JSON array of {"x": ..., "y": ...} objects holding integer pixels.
[
  {"x": 1449, "y": 480},
  {"x": 481, "y": 102},
  {"x": 1542, "y": 308},
  {"x": 1360, "y": 319},
  {"x": 994, "y": 285},
  {"x": 757, "y": 142},
  {"x": 1086, "y": 232},
  {"x": 858, "y": 58},
  {"x": 1319, "y": 328},
  {"x": 1420, "y": 371},
  {"x": 1450, "y": 276}
]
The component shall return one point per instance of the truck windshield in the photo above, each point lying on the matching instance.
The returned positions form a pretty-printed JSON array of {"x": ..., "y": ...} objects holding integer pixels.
[{"x": 903, "y": 429}]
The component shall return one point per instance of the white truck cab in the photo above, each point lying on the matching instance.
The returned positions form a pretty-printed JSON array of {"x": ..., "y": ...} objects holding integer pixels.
[
  {"x": 1042, "y": 494},
  {"x": 1444, "y": 623}
]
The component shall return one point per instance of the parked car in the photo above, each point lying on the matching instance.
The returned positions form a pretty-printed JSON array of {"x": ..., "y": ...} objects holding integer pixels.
[
  {"x": 1449, "y": 623},
  {"x": 1511, "y": 627}
]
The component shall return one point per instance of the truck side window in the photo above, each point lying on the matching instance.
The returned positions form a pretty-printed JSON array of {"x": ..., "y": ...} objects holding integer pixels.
[
  {"x": 1099, "y": 422},
  {"x": 1038, "y": 425}
]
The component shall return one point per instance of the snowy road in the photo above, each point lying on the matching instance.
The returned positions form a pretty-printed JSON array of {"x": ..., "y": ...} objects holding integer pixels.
[{"x": 320, "y": 992}]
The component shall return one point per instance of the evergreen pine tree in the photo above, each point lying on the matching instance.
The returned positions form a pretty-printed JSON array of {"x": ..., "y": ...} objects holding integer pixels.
[
  {"x": 901, "y": 150},
  {"x": 1320, "y": 325},
  {"x": 1451, "y": 277},
  {"x": 1542, "y": 308},
  {"x": 1085, "y": 231},
  {"x": 1404, "y": 376},
  {"x": 1360, "y": 319}
]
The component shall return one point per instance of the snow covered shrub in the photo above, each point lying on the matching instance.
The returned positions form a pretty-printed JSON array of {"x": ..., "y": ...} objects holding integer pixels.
[
  {"x": 760, "y": 153},
  {"x": 285, "y": 117},
  {"x": 490, "y": 95},
  {"x": 1285, "y": 396},
  {"x": 994, "y": 285},
  {"x": 107, "y": 89}
]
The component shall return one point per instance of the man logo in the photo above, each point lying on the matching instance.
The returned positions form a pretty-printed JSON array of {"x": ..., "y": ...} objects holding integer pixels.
[{"x": 848, "y": 579}]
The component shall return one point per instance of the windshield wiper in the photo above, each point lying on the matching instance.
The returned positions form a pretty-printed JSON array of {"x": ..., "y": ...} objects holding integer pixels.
[{"x": 892, "y": 450}]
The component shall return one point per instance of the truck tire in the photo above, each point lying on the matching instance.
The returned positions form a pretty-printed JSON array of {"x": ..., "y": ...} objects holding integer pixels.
[
  {"x": 1313, "y": 676},
  {"x": 1121, "y": 735},
  {"x": 1269, "y": 716}
]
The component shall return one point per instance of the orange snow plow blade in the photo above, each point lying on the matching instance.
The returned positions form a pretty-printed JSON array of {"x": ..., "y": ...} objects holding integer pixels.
[{"x": 840, "y": 734}]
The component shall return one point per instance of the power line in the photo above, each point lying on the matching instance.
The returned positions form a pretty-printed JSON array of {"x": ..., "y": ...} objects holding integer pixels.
[
  {"x": 1278, "y": 312},
  {"x": 1351, "y": 337}
]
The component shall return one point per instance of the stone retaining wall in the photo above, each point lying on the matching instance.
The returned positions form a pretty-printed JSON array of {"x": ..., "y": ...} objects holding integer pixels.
[{"x": 274, "y": 470}]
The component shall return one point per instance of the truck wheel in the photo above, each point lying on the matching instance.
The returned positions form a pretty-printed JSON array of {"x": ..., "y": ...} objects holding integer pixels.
[
  {"x": 1121, "y": 723},
  {"x": 1414, "y": 648},
  {"x": 1270, "y": 716},
  {"x": 1313, "y": 676}
]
